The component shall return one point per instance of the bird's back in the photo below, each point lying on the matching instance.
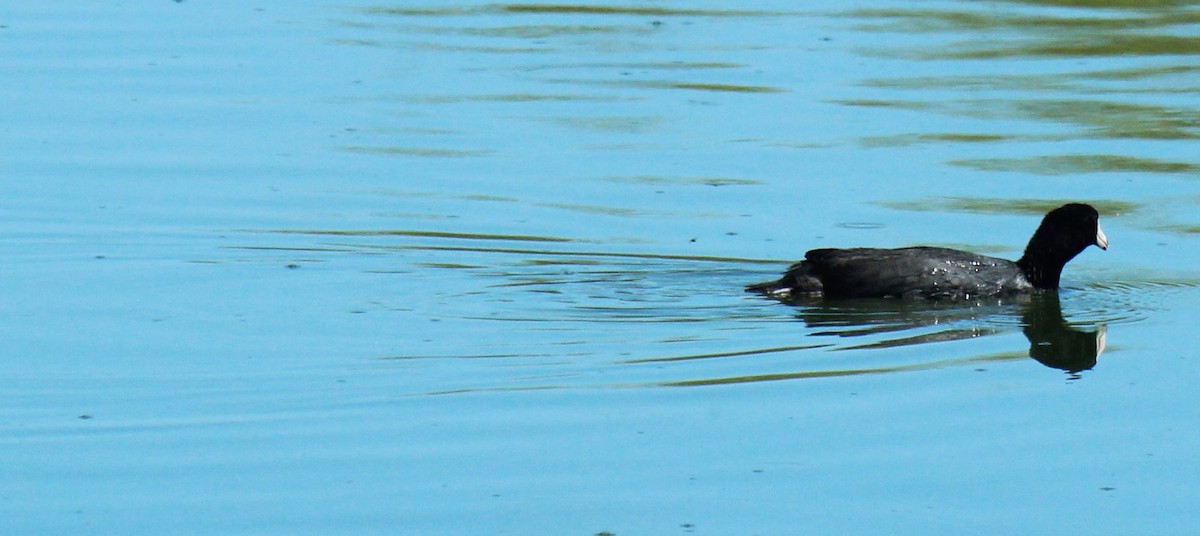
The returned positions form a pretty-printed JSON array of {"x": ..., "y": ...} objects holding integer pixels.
[{"x": 916, "y": 272}]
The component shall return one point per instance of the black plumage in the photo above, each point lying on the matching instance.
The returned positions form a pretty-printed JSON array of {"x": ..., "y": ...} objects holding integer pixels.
[{"x": 942, "y": 273}]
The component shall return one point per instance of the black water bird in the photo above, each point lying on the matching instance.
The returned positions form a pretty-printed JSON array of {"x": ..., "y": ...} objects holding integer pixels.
[{"x": 941, "y": 273}]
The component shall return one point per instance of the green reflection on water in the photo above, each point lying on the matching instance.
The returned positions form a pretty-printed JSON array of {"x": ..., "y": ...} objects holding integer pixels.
[
  {"x": 937, "y": 20},
  {"x": 1024, "y": 33},
  {"x": 1117, "y": 119},
  {"x": 432, "y": 152},
  {"x": 635, "y": 66},
  {"x": 447, "y": 265},
  {"x": 961, "y": 20},
  {"x": 739, "y": 353},
  {"x": 596, "y": 209},
  {"x": 1180, "y": 228},
  {"x": 997, "y": 205},
  {"x": 1111, "y": 4},
  {"x": 1113, "y": 45},
  {"x": 941, "y": 137},
  {"x": 1075, "y": 82},
  {"x": 673, "y": 84},
  {"x": 1101, "y": 118},
  {"x": 543, "y": 31},
  {"x": 490, "y": 197},
  {"x": 706, "y": 181},
  {"x": 502, "y": 97},
  {"x": 420, "y": 233},
  {"x": 480, "y": 49},
  {"x": 562, "y": 262},
  {"x": 1138, "y": 73},
  {"x": 626, "y": 124},
  {"x": 1084, "y": 163},
  {"x": 978, "y": 83},
  {"x": 701, "y": 86},
  {"x": 616, "y": 10},
  {"x": 568, "y": 9},
  {"x": 593, "y": 254},
  {"x": 881, "y": 103},
  {"x": 682, "y": 65},
  {"x": 1007, "y": 356}
]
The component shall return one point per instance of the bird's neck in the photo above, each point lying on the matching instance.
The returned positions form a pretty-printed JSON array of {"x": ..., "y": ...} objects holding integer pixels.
[
  {"x": 1040, "y": 274},
  {"x": 1043, "y": 261}
]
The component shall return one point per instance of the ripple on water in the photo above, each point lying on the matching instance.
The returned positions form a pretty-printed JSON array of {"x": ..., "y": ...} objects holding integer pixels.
[
  {"x": 1123, "y": 301},
  {"x": 588, "y": 315}
]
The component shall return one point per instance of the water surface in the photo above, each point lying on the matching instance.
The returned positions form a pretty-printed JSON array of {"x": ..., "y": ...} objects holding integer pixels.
[{"x": 478, "y": 267}]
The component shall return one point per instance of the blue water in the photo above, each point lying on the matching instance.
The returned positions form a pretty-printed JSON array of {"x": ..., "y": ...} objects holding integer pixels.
[{"x": 477, "y": 268}]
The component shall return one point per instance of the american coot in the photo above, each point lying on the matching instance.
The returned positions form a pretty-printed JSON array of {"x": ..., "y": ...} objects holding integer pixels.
[{"x": 941, "y": 273}]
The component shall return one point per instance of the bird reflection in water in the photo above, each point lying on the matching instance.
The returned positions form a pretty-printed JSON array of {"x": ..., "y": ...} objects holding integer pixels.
[{"x": 1053, "y": 342}]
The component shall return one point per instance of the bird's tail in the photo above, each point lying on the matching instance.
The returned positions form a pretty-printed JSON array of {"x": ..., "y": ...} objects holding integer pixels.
[
  {"x": 771, "y": 287},
  {"x": 797, "y": 281}
]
